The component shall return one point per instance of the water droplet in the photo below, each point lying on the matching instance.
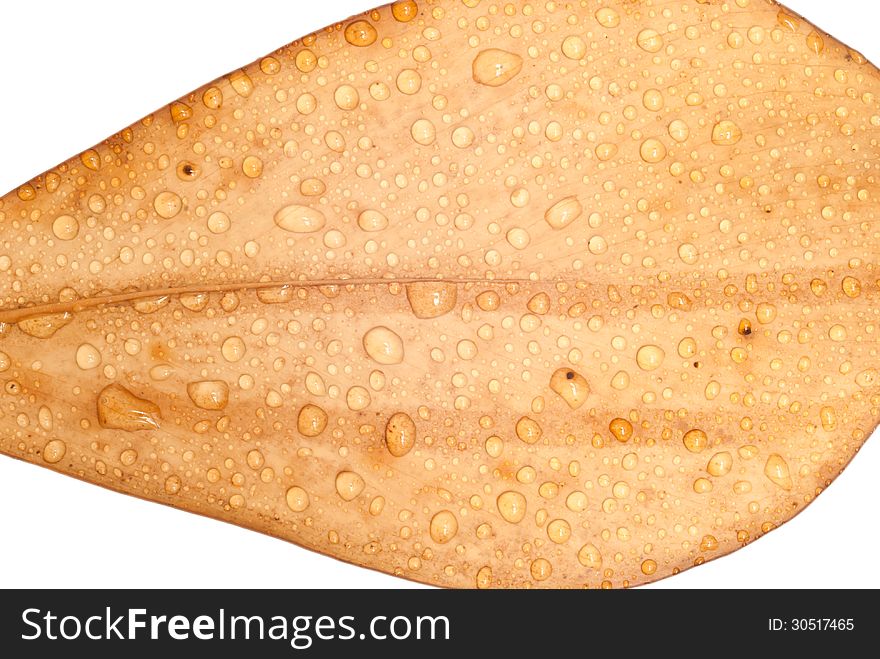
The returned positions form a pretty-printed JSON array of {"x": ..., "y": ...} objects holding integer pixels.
[
  {"x": 377, "y": 505},
  {"x": 720, "y": 464},
  {"x": 494, "y": 67},
  {"x": 423, "y": 132},
  {"x": 765, "y": 313},
  {"x": 511, "y": 506},
  {"x": 650, "y": 41},
  {"x": 297, "y": 499},
  {"x": 463, "y": 137},
  {"x": 357, "y": 398},
  {"x": 702, "y": 485},
  {"x": 518, "y": 238},
  {"x": 590, "y": 557},
  {"x": 539, "y": 303},
  {"x": 679, "y": 131},
  {"x": 120, "y": 409},
  {"x": 404, "y": 10},
  {"x": 606, "y": 151},
  {"x": 372, "y": 220},
  {"x": 167, "y": 204},
  {"x": 597, "y": 245},
  {"x": 528, "y": 430},
  {"x": 488, "y": 300},
  {"x": 726, "y": 133},
  {"x": 208, "y": 394},
  {"x": 607, "y": 17},
  {"x": 650, "y": 357},
  {"x": 431, "y": 299},
  {"x": 233, "y": 349},
  {"x": 53, "y": 451},
  {"x": 787, "y": 21},
  {"x": 687, "y": 347},
  {"x": 708, "y": 543},
  {"x": 43, "y": 327},
  {"x": 688, "y": 253},
  {"x": 484, "y": 577},
  {"x": 652, "y": 150},
  {"x": 837, "y": 333},
  {"x": 409, "y": 81},
  {"x": 346, "y": 97},
  {"x": 695, "y": 440},
  {"x": 851, "y": 287},
  {"x": 540, "y": 569},
  {"x": 161, "y": 372},
  {"x": 300, "y": 219},
  {"x": 649, "y": 566},
  {"x": 65, "y": 227},
  {"x": 270, "y": 66},
  {"x": 815, "y": 42},
  {"x": 91, "y": 159},
  {"x": 576, "y": 501},
  {"x": 573, "y": 47},
  {"x": 241, "y": 83},
  {"x": 194, "y": 301},
  {"x": 383, "y": 345},
  {"x": 311, "y": 420},
  {"x": 866, "y": 378},
  {"x": 255, "y": 459},
  {"x": 360, "y": 33},
  {"x": 776, "y": 469},
  {"x": 252, "y": 167},
  {"x": 621, "y": 429},
  {"x": 563, "y": 212},
  {"x": 444, "y": 526},
  {"x": 87, "y": 356},
  {"x": 180, "y": 112},
  {"x": 172, "y": 484},
  {"x": 218, "y": 222},
  {"x": 212, "y": 98},
  {"x": 559, "y": 531},
  {"x": 312, "y": 187},
  {"x": 349, "y": 485},
  {"x": 572, "y": 387},
  {"x": 400, "y": 434},
  {"x": 653, "y": 100}
]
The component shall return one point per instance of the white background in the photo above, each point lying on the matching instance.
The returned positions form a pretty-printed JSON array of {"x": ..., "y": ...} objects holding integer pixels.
[{"x": 71, "y": 73}]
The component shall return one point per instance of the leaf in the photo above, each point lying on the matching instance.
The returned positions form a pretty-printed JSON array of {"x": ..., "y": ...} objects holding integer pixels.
[{"x": 476, "y": 299}]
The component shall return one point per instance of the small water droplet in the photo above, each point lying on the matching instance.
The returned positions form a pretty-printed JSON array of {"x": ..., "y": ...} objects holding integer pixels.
[
  {"x": 87, "y": 356},
  {"x": 349, "y": 485},
  {"x": 208, "y": 394},
  {"x": 383, "y": 345},
  {"x": 400, "y": 434},
  {"x": 311, "y": 420},
  {"x": 297, "y": 499},
  {"x": 494, "y": 67},
  {"x": 120, "y": 409},
  {"x": 444, "y": 526},
  {"x": 300, "y": 219},
  {"x": 776, "y": 470},
  {"x": 650, "y": 357},
  {"x": 65, "y": 227},
  {"x": 726, "y": 133},
  {"x": 53, "y": 451},
  {"x": 571, "y": 386},
  {"x": 360, "y": 33},
  {"x": 563, "y": 212}
]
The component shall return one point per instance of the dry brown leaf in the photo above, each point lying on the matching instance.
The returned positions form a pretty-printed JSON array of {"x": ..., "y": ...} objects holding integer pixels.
[{"x": 550, "y": 295}]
